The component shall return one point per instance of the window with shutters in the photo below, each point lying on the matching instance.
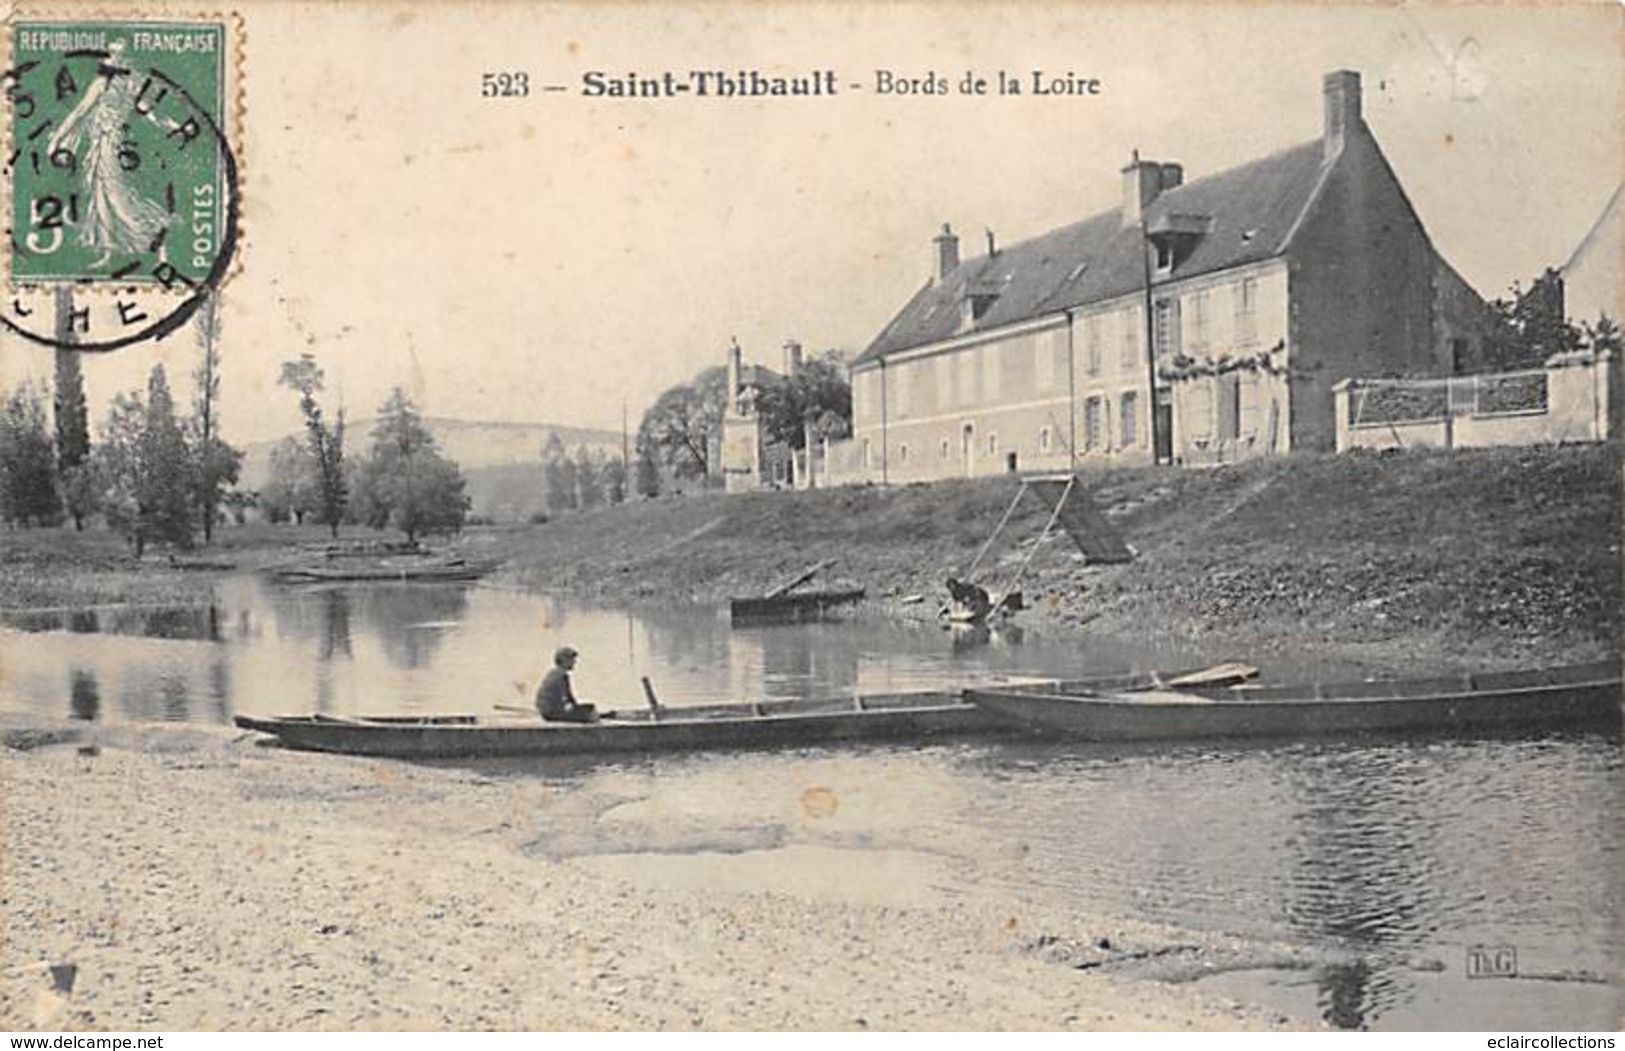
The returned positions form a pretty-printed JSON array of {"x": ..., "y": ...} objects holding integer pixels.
[
  {"x": 1133, "y": 321},
  {"x": 1247, "y": 312},
  {"x": 1128, "y": 414},
  {"x": 1092, "y": 342},
  {"x": 1166, "y": 327},
  {"x": 1198, "y": 326},
  {"x": 1092, "y": 423}
]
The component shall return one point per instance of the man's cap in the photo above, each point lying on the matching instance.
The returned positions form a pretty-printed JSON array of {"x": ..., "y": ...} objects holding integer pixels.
[{"x": 562, "y": 654}]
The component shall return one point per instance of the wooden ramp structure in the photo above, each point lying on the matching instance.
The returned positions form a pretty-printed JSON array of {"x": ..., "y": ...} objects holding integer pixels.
[{"x": 1073, "y": 512}]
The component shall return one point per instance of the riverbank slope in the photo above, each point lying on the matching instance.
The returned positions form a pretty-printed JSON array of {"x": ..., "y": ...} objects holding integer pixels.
[{"x": 1489, "y": 558}]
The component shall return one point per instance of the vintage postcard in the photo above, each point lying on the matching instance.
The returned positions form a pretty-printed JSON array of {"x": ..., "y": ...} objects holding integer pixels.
[{"x": 834, "y": 516}]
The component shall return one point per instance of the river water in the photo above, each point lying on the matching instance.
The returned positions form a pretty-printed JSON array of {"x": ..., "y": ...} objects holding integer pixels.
[{"x": 1371, "y": 870}]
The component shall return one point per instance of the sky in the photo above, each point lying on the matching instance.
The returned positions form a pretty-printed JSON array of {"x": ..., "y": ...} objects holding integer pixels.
[{"x": 555, "y": 257}]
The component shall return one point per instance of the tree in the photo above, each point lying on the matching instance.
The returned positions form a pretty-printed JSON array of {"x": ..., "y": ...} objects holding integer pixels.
[
  {"x": 1529, "y": 327},
  {"x": 326, "y": 443},
  {"x": 685, "y": 422},
  {"x": 411, "y": 486},
  {"x": 646, "y": 480},
  {"x": 81, "y": 491},
  {"x": 814, "y": 402},
  {"x": 72, "y": 416},
  {"x": 146, "y": 468},
  {"x": 28, "y": 480},
  {"x": 1602, "y": 336},
  {"x": 559, "y": 476},
  {"x": 216, "y": 463},
  {"x": 292, "y": 490},
  {"x": 589, "y": 477},
  {"x": 612, "y": 476}
]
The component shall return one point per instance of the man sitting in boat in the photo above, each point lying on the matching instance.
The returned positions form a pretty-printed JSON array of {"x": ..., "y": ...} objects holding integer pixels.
[{"x": 555, "y": 700}]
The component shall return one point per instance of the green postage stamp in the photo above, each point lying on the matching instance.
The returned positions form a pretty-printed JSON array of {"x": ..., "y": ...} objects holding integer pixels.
[{"x": 120, "y": 172}]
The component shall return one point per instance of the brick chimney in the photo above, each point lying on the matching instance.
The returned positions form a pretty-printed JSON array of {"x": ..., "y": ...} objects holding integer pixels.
[
  {"x": 792, "y": 356},
  {"x": 947, "y": 244},
  {"x": 1341, "y": 90},
  {"x": 1142, "y": 181}
]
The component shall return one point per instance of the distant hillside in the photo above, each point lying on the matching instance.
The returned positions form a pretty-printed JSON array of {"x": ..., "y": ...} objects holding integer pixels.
[{"x": 502, "y": 461}]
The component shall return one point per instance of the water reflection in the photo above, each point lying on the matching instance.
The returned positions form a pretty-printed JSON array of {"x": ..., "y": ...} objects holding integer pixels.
[
  {"x": 1391, "y": 857},
  {"x": 84, "y": 695},
  {"x": 1358, "y": 852},
  {"x": 1373, "y": 853}
]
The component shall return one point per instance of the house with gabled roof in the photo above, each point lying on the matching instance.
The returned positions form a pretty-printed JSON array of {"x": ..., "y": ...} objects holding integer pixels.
[
  {"x": 1199, "y": 322},
  {"x": 1594, "y": 276}
]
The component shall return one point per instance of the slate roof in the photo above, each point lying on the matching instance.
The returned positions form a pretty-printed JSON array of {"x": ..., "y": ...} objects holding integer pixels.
[{"x": 1252, "y": 209}]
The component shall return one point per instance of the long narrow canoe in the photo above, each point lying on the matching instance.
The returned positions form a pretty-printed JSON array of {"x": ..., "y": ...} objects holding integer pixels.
[
  {"x": 1577, "y": 697},
  {"x": 775, "y": 723},
  {"x": 878, "y": 717},
  {"x": 384, "y": 572}
]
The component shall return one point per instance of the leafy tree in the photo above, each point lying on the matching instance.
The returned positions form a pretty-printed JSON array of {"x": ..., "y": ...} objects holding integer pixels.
[
  {"x": 684, "y": 424},
  {"x": 292, "y": 490},
  {"x": 216, "y": 463},
  {"x": 814, "y": 402},
  {"x": 1530, "y": 327},
  {"x": 28, "y": 482},
  {"x": 559, "y": 475},
  {"x": 589, "y": 478},
  {"x": 68, "y": 396},
  {"x": 81, "y": 491},
  {"x": 146, "y": 468},
  {"x": 1602, "y": 335},
  {"x": 69, "y": 408},
  {"x": 326, "y": 442},
  {"x": 406, "y": 479},
  {"x": 612, "y": 476},
  {"x": 646, "y": 468},
  {"x": 78, "y": 478}
]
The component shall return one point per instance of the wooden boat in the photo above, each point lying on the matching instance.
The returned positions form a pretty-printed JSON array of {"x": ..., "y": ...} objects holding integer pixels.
[
  {"x": 386, "y": 571},
  {"x": 791, "y": 606},
  {"x": 876, "y": 717},
  {"x": 1578, "y": 697},
  {"x": 912, "y": 716}
]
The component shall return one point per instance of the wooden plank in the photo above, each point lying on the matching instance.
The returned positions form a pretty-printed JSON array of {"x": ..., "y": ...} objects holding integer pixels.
[{"x": 798, "y": 580}]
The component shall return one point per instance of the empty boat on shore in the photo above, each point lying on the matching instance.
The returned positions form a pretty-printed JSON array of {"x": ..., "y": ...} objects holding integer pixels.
[{"x": 1584, "y": 696}]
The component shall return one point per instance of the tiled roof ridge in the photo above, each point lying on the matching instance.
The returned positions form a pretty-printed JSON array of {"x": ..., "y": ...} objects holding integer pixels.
[{"x": 924, "y": 312}]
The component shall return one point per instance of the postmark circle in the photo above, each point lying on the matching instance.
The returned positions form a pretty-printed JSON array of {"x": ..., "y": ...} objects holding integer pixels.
[{"x": 123, "y": 184}]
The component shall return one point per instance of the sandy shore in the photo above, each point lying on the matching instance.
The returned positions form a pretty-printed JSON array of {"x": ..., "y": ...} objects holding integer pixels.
[{"x": 195, "y": 880}]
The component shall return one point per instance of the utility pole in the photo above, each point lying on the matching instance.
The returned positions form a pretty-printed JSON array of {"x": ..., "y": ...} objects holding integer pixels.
[{"x": 1150, "y": 340}]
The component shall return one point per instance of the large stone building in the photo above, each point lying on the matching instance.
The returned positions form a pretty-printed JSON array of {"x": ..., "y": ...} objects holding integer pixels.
[{"x": 1239, "y": 298}]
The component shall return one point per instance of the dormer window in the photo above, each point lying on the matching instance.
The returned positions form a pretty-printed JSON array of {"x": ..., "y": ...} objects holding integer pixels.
[
  {"x": 1174, "y": 235},
  {"x": 978, "y": 299}
]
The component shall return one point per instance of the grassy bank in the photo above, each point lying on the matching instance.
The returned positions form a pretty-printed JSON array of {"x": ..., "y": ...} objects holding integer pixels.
[
  {"x": 1491, "y": 557},
  {"x": 50, "y": 568}
]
